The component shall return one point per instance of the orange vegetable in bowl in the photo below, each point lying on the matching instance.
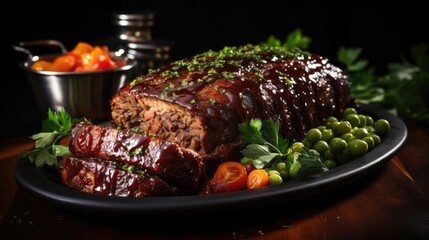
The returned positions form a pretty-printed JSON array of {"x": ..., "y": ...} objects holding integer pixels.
[{"x": 84, "y": 57}]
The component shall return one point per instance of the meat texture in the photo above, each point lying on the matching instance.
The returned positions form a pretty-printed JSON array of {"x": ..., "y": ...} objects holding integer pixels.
[
  {"x": 105, "y": 178},
  {"x": 167, "y": 161},
  {"x": 198, "y": 102}
]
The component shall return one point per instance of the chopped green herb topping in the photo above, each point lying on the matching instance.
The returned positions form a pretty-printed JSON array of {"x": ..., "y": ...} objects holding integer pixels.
[
  {"x": 228, "y": 74},
  {"x": 287, "y": 80},
  {"x": 212, "y": 71},
  {"x": 134, "y": 82},
  {"x": 131, "y": 168}
]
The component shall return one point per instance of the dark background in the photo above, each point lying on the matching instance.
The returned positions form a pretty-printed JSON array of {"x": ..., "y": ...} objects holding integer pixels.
[{"x": 386, "y": 34}]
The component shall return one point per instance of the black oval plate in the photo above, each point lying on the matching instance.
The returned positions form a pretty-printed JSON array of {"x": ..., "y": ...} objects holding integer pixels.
[{"x": 45, "y": 183}]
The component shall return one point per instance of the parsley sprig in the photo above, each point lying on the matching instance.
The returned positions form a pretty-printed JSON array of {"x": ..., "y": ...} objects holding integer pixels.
[
  {"x": 264, "y": 142},
  {"x": 47, "y": 146},
  {"x": 266, "y": 147}
]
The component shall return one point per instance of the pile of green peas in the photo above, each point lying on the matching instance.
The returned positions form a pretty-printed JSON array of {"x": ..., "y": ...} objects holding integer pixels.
[{"x": 337, "y": 142}]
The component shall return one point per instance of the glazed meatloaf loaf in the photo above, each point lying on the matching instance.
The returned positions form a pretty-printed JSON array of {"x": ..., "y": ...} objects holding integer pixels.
[{"x": 198, "y": 102}]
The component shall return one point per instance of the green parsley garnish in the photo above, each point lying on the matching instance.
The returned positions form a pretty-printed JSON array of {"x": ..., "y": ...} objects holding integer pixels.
[
  {"x": 47, "y": 148},
  {"x": 266, "y": 146}
]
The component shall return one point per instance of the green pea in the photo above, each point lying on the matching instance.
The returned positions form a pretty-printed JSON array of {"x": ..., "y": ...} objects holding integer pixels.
[
  {"x": 353, "y": 119},
  {"x": 281, "y": 166},
  {"x": 346, "y": 136},
  {"x": 341, "y": 128},
  {"x": 284, "y": 174},
  {"x": 331, "y": 122},
  {"x": 314, "y": 152},
  {"x": 297, "y": 147},
  {"x": 333, "y": 125},
  {"x": 351, "y": 139},
  {"x": 306, "y": 142},
  {"x": 376, "y": 138},
  {"x": 273, "y": 172},
  {"x": 382, "y": 127},
  {"x": 370, "y": 141},
  {"x": 370, "y": 129},
  {"x": 330, "y": 164},
  {"x": 344, "y": 157},
  {"x": 313, "y": 135},
  {"x": 369, "y": 121},
  {"x": 327, "y": 135},
  {"x": 328, "y": 155},
  {"x": 358, "y": 147},
  {"x": 321, "y": 146},
  {"x": 349, "y": 110},
  {"x": 331, "y": 119},
  {"x": 361, "y": 133},
  {"x": 274, "y": 179},
  {"x": 338, "y": 145},
  {"x": 321, "y": 127},
  {"x": 362, "y": 120}
]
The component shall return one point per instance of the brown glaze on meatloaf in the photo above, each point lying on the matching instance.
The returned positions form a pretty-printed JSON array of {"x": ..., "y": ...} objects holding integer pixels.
[
  {"x": 198, "y": 102},
  {"x": 179, "y": 167},
  {"x": 105, "y": 178}
]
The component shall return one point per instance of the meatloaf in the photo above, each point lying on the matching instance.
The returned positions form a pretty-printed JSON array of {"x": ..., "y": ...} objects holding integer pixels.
[
  {"x": 198, "y": 102},
  {"x": 97, "y": 176},
  {"x": 161, "y": 163}
]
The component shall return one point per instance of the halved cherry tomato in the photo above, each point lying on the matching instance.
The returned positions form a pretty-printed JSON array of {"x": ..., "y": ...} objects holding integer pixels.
[
  {"x": 234, "y": 174},
  {"x": 257, "y": 179}
]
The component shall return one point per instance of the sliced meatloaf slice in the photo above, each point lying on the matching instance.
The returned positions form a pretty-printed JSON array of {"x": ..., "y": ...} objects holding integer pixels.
[
  {"x": 179, "y": 167},
  {"x": 106, "y": 178}
]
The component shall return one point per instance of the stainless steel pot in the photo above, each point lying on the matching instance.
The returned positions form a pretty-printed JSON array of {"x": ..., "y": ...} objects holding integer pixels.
[{"x": 82, "y": 94}]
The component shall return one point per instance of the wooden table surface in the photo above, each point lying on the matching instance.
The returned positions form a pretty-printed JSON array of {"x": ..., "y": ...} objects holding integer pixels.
[{"x": 390, "y": 203}]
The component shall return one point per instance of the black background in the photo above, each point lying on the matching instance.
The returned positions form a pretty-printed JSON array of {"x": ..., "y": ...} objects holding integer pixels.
[{"x": 386, "y": 33}]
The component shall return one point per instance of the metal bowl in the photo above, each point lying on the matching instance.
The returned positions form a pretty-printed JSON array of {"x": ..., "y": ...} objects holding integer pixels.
[{"x": 82, "y": 94}]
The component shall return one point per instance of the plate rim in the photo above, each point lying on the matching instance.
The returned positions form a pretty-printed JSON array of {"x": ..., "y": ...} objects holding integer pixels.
[{"x": 35, "y": 181}]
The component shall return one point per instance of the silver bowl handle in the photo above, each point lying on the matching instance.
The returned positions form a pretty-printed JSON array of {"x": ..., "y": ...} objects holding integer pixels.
[{"x": 49, "y": 42}]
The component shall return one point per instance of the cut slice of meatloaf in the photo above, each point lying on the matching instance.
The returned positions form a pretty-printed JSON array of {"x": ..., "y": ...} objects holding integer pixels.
[
  {"x": 105, "y": 178},
  {"x": 179, "y": 167},
  {"x": 198, "y": 102}
]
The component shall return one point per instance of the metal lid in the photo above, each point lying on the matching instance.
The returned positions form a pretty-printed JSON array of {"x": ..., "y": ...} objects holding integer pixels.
[
  {"x": 138, "y": 18},
  {"x": 154, "y": 46}
]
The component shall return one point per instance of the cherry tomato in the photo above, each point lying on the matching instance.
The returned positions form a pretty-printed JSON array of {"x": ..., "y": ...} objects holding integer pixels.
[
  {"x": 233, "y": 173},
  {"x": 257, "y": 179}
]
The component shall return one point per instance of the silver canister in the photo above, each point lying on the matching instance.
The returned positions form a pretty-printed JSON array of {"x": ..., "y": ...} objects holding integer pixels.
[{"x": 135, "y": 36}]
